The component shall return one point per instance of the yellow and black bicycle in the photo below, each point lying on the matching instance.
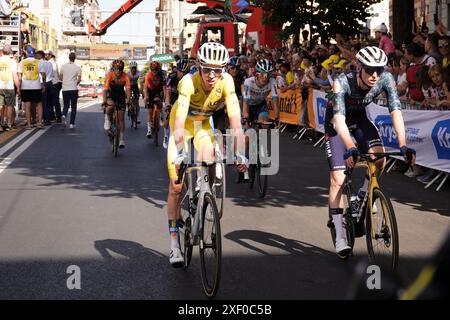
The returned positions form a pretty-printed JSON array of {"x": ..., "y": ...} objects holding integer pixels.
[{"x": 377, "y": 220}]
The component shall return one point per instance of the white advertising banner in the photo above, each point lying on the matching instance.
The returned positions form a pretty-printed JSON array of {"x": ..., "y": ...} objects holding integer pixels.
[
  {"x": 319, "y": 106},
  {"x": 427, "y": 132}
]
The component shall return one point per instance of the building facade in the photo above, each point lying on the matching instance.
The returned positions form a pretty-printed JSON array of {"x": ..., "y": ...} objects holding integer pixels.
[
  {"x": 408, "y": 16},
  {"x": 65, "y": 14},
  {"x": 169, "y": 25}
]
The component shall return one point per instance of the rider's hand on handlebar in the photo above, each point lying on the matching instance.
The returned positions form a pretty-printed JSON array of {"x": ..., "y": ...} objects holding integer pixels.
[
  {"x": 351, "y": 157},
  {"x": 179, "y": 160},
  {"x": 409, "y": 154},
  {"x": 242, "y": 163}
]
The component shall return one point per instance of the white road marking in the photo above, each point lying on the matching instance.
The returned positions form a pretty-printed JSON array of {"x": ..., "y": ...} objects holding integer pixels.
[
  {"x": 16, "y": 153},
  {"x": 88, "y": 104},
  {"x": 14, "y": 141}
]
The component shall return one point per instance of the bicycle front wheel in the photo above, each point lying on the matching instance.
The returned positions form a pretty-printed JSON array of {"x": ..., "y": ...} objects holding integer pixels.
[
  {"x": 381, "y": 232},
  {"x": 262, "y": 181},
  {"x": 156, "y": 120},
  {"x": 210, "y": 246}
]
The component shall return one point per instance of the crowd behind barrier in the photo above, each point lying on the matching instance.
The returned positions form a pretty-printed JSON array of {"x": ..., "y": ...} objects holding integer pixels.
[
  {"x": 419, "y": 67},
  {"x": 302, "y": 70}
]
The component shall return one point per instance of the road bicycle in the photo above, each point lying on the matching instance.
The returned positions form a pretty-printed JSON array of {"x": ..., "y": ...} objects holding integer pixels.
[
  {"x": 132, "y": 110},
  {"x": 255, "y": 170},
  {"x": 218, "y": 187},
  {"x": 200, "y": 223},
  {"x": 377, "y": 220},
  {"x": 114, "y": 130},
  {"x": 156, "y": 120}
]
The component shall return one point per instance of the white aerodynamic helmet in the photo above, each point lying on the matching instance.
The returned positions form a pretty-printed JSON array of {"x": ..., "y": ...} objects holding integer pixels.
[
  {"x": 264, "y": 66},
  {"x": 213, "y": 53},
  {"x": 372, "y": 57},
  {"x": 133, "y": 64}
]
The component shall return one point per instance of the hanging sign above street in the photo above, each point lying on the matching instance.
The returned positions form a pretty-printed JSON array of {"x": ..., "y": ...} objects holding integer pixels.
[{"x": 163, "y": 58}]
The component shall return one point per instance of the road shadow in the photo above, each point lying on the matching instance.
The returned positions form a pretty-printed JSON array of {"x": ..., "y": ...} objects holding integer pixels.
[
  {"x": 128, "y": 270},
  {"x": 81, "y": 159}
]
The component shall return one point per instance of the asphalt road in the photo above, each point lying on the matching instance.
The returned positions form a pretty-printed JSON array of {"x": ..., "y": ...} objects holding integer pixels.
[{"x": 65, "y": 200}]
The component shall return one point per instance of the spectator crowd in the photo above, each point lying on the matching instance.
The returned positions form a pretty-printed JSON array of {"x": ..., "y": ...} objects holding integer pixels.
[
  {"x": 33, "y": 85},
  {"x": 419, "y": 66}
]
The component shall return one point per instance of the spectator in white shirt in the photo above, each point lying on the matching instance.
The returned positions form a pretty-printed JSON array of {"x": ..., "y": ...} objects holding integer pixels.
[
  {"x": 70, "y": 75},
  {"x": 8, "y": 78},
  {"x": 48, "y": 95},
  {"x": 56, "y": 82}
]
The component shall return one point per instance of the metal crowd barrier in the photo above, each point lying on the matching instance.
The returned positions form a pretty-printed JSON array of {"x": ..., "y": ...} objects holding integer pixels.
[{"x": 303, "y": 129}]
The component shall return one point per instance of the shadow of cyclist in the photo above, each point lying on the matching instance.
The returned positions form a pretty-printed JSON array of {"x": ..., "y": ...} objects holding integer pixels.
[{"x": 291, "y": 246}]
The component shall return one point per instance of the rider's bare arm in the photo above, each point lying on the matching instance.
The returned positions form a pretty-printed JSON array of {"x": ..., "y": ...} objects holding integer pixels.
[
  {"x": 399, "y": 127},
  {"x": 338, "y": 120}
]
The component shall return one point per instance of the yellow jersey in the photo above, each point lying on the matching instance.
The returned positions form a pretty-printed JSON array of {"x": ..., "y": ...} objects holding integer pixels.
[{"x": 197, "y": 105}]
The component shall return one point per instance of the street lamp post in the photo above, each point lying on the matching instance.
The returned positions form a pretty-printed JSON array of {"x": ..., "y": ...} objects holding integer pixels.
[{"x": 181, "y": 26}]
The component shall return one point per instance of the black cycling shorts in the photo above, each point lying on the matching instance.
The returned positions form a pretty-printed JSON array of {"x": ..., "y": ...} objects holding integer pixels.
[
  {"x": 151, "y": 98},
  {"x": 119, "y": 101},
  {"x": 256, "y": 110},
  {"x": 363, "y": 130}
]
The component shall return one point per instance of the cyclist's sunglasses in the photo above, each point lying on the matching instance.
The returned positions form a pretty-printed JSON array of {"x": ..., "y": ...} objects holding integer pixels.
[
  {"x": 117, "y": 69},
  {"x": 207, "y": 70},
  {"x": 372, "y": 70}
]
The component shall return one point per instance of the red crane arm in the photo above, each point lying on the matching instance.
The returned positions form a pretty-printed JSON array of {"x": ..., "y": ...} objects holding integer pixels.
[{"x": 125, "y": 8}]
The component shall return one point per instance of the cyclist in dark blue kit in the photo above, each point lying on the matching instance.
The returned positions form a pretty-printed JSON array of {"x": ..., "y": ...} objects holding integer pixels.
[{"x": 352, "y": 92}]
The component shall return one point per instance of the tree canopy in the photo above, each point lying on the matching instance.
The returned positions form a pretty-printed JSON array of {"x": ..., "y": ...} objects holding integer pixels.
[{"x": 325, "y": 17}]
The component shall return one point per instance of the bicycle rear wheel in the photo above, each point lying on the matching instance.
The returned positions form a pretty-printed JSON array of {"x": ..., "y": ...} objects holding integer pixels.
[
  {"x": 135, "y": 106},
  {"x": 210, "y": 246},
  {"x": 185, "y": 230},
  {"x": 219, "y": 189},
  {"x": 251, "y": 175},
  {"x": 381, "y": 232},
  {"x": 116, "y": 142}
]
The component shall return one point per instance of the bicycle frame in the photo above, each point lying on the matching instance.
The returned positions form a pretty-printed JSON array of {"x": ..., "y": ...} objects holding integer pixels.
[
  {"x": 372, "y": 169},
  {"x": 204, "y": 188}
]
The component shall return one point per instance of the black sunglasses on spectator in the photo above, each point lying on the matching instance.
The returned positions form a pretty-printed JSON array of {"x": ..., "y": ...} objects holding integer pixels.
[
  {"x": 372, "y": 70},
  {"x": 442, "y": 46}
]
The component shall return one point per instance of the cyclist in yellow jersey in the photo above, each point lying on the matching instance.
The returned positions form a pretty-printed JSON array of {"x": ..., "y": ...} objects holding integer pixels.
[{"x": 199, "y": 96}]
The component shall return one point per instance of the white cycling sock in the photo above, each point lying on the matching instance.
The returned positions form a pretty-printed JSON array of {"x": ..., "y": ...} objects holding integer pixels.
[
  {"x": 246, "y": 176},
  {"x": 165, "y": 132},
  {"x": 121, "y": 136},
  {"x": 337, "y": 220},
  {"x": 337, "y": 216},
  {"x": 174, "y": 242},
  {"x": 174, "y": 234}
]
